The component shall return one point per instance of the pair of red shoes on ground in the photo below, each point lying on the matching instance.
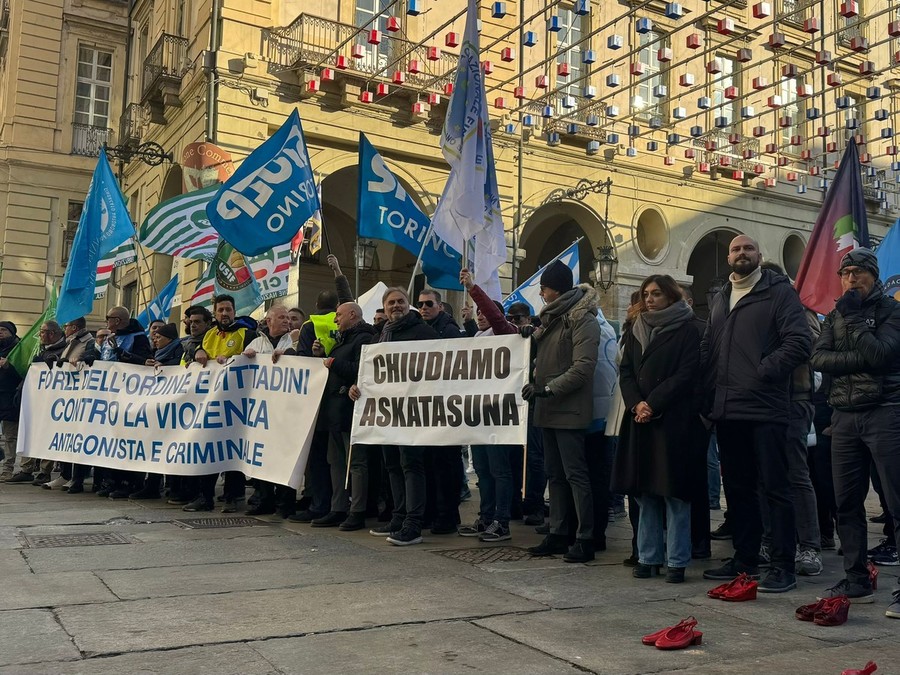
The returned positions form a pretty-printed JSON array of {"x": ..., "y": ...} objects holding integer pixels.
[
  {"x": 869, "y": 668},
  {"x": 826, "y": 612},
  {"x": 679, "y": 636},
  {"x": 739, "y": 589}
]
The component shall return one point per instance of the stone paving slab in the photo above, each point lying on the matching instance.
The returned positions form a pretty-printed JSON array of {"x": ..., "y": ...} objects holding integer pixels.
[
  {"x": 12, "y": 562},
  {"x": 822, "y": 661},
  {"x": 236, "y": 659},
  {"x": 178, "y": 553},
  {"x": 32, "y": 636},
  {"x": 154, "y": 624},
  {"x": 607, "y": 640},
  {"x": 447, "y": 648},
  {"x": 71, "y": 515},
  {"x": 21, "y": 591}
]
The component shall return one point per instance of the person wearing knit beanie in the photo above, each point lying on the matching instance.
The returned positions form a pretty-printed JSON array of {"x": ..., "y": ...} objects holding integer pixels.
[
  {"x": 10, "y": 326},
  {"x": 861, "y": 257},
  {"x": 169, "y": 330},
  {"x": 558, "y": 276}
]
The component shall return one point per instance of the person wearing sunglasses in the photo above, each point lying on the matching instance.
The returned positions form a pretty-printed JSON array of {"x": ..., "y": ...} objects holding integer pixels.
[{"x": 432, "y": 311}]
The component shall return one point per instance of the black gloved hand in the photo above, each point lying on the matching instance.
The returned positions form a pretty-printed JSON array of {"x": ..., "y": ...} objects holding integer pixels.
[
  {"x": 526, "y": 331},
  {"x": 89, "y": 361},
  {"x": 849, "y": 303},
  {"x": 50, "y": 360},
  {"x": 528, "y": 392}
]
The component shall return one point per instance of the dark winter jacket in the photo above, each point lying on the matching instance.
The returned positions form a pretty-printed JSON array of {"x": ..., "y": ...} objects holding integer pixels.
[
  {"x": 861, "y": 352},
  {"x": 50, "y": 353},
  {"x": 170, "y": 355},
  {"x": 338, "y": 408},
  {"x": 128, "y": 345},
  {"x": 656, "y": 457},
  {"x": 9, "y": 384},
  {"x": 566, "y": 358},
  {"x": 410, "y": 327},
  {"x": 446, "y": 327},
  {"x": 753, "y": 349}
]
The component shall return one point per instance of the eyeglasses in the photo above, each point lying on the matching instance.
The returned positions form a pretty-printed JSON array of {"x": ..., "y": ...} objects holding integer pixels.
[
  {"x": 853, "y": 271},
  {"x": 112, "y": 318},
  {"x": 515, "y": 317},
  {"x": 425, "y": 303}
]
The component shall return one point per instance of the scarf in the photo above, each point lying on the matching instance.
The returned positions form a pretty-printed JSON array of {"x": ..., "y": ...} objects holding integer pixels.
[
  {"x": 164, "y": 353},
  {"x": 650, "y": 325}
]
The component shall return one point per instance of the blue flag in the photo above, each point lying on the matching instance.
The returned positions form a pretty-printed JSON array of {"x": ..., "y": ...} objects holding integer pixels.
[
  {"x": 104, "y": 225},
  {"x": 386, "y": 212},
  {"x": 530, "y": 291},
  {"x": 270, "y": 196},
  {"x": 160, "y": 308},
  {"x": 888, "y": 254}
]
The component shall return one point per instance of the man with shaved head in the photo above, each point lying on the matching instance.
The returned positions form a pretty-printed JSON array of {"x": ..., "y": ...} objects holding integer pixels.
[
  {"x": 337, "y": 408},
  {"x": 755, "y": 337}
]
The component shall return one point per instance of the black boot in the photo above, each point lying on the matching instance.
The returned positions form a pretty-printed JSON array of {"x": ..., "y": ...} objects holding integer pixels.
[{"x": 552, "y": 544}]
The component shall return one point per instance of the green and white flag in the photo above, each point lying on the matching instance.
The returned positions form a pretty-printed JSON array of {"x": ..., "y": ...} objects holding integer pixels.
[
  {"x": 179, "y": 227},
  {"x": 21, "y": 356},
  {"x": 121, "y": 255}
]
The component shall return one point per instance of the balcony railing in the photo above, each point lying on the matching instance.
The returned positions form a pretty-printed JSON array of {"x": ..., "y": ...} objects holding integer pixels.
[
  {"x": 855, "y": 27},
  {"x": 132, "y": 125},
  {"x": 794, "y": 12},
  {"x": 88, "y": 139},
  {"x": 165, "y": 64},
  {"x": 311, "y": 40}
]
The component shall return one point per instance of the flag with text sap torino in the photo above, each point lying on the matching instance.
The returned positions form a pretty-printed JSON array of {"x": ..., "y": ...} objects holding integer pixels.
[
  {"x": 270, "y": 196},
  {"x": 443, "y": 392}
]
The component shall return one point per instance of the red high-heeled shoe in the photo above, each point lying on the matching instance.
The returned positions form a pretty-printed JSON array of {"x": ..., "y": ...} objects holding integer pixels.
[
  {"x": 718, "y": 591},
  {"x": 873, "y": 575},
  {"x": 680, "y": 636},
  {"x": 741, "y": 592},
  {"x": 808, "y": 612},
  {"x": 834, "y": 613},
  {"x": 651, "y": 639},
  {"x": 870, "y": 668}
]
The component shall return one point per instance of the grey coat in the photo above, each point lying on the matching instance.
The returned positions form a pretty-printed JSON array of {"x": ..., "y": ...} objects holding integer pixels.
[{"x": 567, "y": 345}]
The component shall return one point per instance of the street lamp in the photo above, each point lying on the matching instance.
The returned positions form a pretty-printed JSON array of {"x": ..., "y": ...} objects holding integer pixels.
[
  {"x": 149, "y": 153},
  {"x": 605, "y": 266},
  {"x": 365, "y": 254}
]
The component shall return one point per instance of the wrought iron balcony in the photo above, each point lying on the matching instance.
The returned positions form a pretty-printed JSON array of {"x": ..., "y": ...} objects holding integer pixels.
[
  {"x": 164, "y": 69},
  {"x": 794, "y": 12},
  {"x": 131, "y": 127},
  {"x": 311, "y": 40},
  {"x": 88, "y": 139},
  {"x": 855, "y": 27}
]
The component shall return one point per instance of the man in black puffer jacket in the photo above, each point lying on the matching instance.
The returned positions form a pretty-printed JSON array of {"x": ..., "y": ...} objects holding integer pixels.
[
  {"x": 860, "y": 348},
  {"x": 755, "y": 338},
  {"x": 337, "y": 410},
  {"x": 405, "y": 464}
]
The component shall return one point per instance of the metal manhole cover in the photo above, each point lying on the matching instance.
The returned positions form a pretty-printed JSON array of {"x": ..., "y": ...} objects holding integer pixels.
[
  {"x": 481, "y": 556},
  {"x": 94, "y": 539},
  {"x": 212, "y": 523}
]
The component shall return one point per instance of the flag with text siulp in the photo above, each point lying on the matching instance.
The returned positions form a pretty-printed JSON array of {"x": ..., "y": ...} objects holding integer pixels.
[
  {"x": 841, "y": 226},
  {"x": 270, "y": 196},
  {"x": 105, "y": 224}
]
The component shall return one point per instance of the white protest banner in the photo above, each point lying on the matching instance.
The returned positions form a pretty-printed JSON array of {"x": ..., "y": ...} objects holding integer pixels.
[
  {"x": 250, "y": 415},
  {"x": 447, "y": 392}
]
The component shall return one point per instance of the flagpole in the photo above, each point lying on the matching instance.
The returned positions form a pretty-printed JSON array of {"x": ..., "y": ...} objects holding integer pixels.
[{"x": 412, "y": 279}]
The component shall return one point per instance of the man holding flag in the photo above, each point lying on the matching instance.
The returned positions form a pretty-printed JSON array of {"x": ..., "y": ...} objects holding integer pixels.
[
  {"x": 9, "y": 408},
  {"x": 860, "y": 348}
]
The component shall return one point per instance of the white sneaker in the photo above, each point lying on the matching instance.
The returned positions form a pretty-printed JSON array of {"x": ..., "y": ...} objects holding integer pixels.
[
  {"x": 57, "y": 483},
  {"x": 69, "y": 484},
  {"x": 809, "y": 562}
]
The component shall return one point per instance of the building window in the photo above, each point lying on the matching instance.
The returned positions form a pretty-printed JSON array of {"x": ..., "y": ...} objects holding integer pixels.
[
  {"x": 853, "y": 26},
  {"x": 72, "y": 219},
  {"x": 854, "y": 116},
  {"x": 569, "y": 49},
  {"x": 180, "y": 18},
  {"x": 724, "y": 107},
  {"x": 373, "y": 14},
  {"x": 794, "y": 12},
  {"x": 644, "y": 103},
  {"x": 92, "y": 90},
  {"x": 790, "y": 108},
  {"x": 129, "y": 296}
]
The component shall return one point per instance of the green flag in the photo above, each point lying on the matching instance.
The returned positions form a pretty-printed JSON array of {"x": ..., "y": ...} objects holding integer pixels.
[{"x": 23, "y": 353}]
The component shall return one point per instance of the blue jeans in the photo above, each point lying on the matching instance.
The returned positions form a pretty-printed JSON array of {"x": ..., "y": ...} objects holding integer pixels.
[
  {"x": 652, "y": 550},
  {"x": 495, "y": 483},
  {"x": 712, "y": 470}
]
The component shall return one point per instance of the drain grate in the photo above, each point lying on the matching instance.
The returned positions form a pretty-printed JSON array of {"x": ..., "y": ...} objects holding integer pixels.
[
  {"x": 482, "y": 556},
  {"x": 213, "y": 523},
  {"x": 92, "y": 539}
]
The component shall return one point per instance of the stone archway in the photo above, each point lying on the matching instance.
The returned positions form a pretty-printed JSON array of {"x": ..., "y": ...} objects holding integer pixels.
[{"x": 708, "y": 266}]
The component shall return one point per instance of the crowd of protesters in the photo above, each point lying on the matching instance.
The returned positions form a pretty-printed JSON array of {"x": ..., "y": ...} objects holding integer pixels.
[{"x": 799, "y": 415}]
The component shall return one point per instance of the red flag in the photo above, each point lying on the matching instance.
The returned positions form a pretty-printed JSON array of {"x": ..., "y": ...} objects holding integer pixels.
[
  {"x": 296, "y": 243},
  {"x": 840, "y": 227}
]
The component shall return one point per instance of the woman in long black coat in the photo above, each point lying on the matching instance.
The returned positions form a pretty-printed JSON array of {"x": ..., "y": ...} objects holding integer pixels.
[{"x": 656, "y": 462}]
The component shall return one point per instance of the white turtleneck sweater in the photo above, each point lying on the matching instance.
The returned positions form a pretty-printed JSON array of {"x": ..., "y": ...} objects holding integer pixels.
[{"x": 740, "y": 286}]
